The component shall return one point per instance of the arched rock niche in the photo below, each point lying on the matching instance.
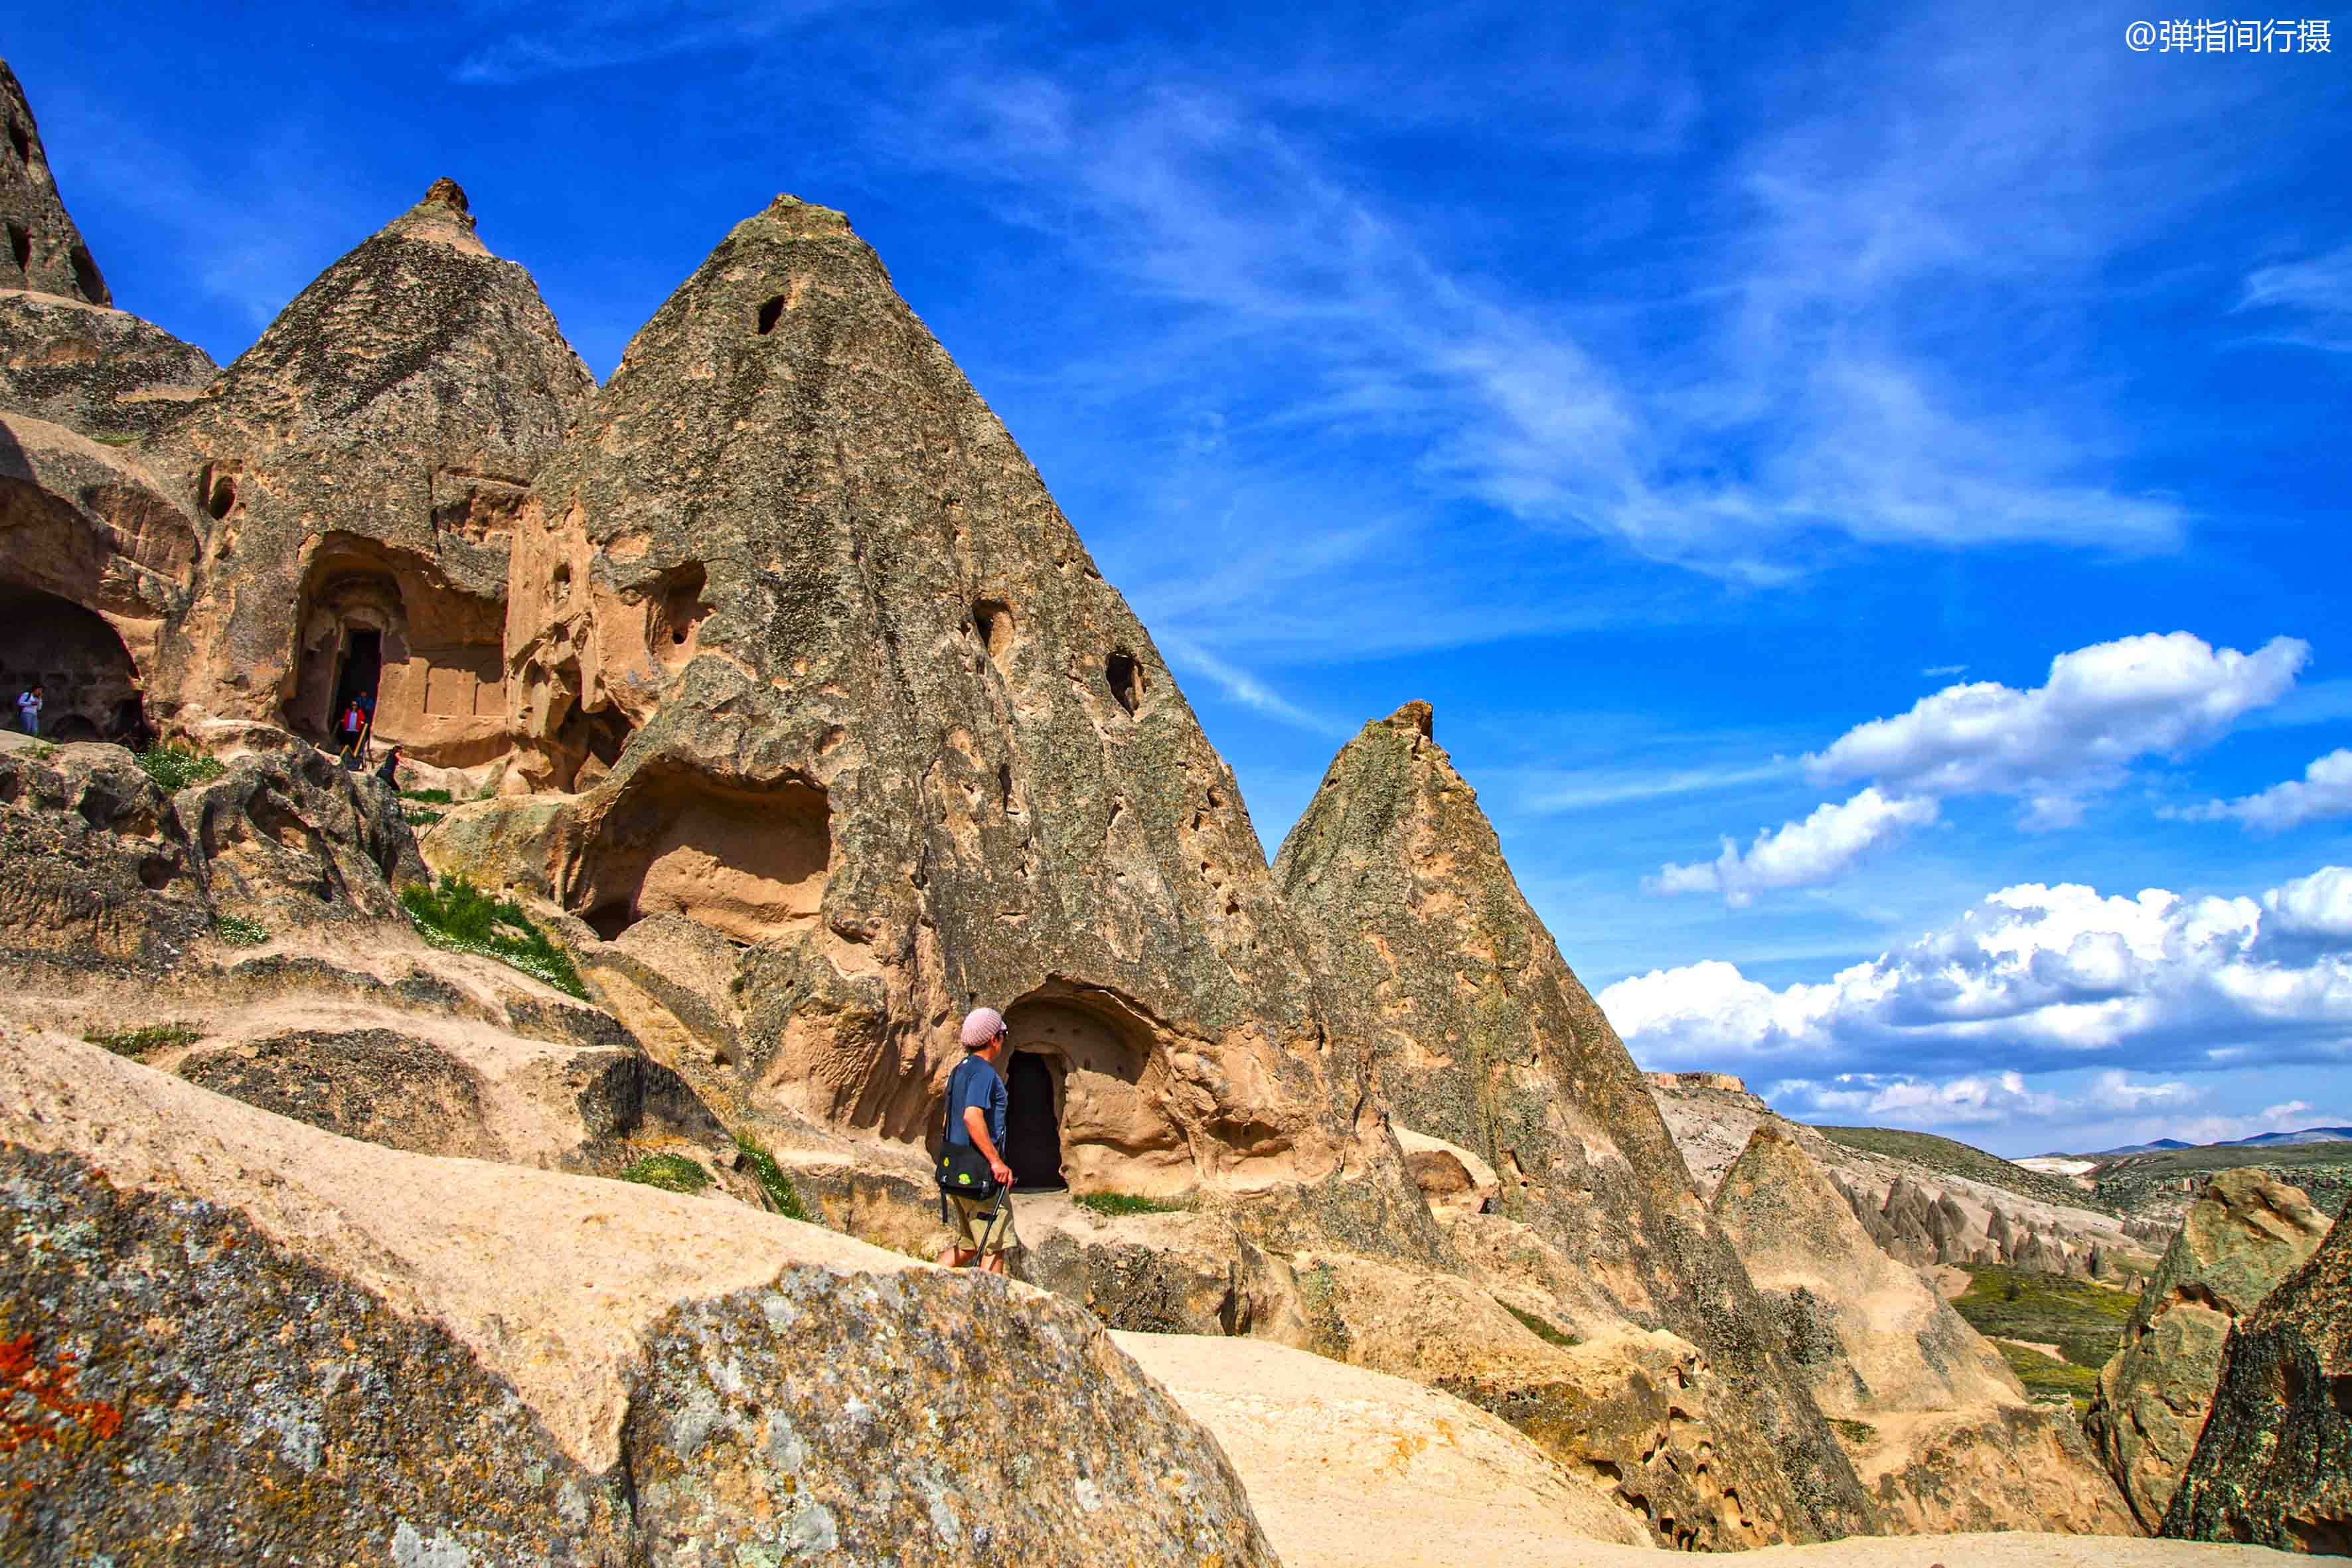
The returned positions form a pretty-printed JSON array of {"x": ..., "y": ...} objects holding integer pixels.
[
  {"x": 747, "y": 861},
  {"x": 91, "y": 685},
  {"x": 1116, "y": 1134},
  {"x": 438, "y": 653}
]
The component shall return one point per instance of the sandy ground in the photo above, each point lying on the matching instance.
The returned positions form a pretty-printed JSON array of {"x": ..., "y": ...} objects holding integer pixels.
[{"x": 1350, "y": 1468}]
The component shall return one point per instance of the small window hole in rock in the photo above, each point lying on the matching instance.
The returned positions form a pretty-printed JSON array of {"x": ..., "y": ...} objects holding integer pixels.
[
  {"x": 991, "y": 620},
  {"x": 219, "y": 496},
  {"x": 680, "y": 610},
  {"x": 22, "y": 142},
  {"x": 770, "y": 314},
  {"x": 86, "y": 277},
  {"x": 20, "y": 247},
  {"x": 1126, "y": 679}
]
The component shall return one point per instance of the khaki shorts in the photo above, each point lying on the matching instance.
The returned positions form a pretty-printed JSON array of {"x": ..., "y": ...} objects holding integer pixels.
[{"x": 982, "y": 1225}]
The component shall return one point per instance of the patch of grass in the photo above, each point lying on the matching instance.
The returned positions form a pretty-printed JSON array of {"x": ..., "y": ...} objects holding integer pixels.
[
  {"x": 140, "y": 1043},
  {"x": 417, "y": 816},
  {"x": 1854, "y": 1431},
  {"x": 429, "y": 797},
  {"x": 670, "y": 1172},
  {"x": 114, "y": 440},
  {"x": 456, "y": 916},
  {"x": 782, "y": 1196},
  {"x": 2045, "y": 1377},
  {"x": 177, "y": 767},
  {"x": 1123, "y": 1203},
  {"x": 1540, "y": 1329},
  {"x": 41, "y": 751},
  {"x": 238, "y": 932},
  {"x": 1957, "y": 1159},
  {"x": 2084, "y": 1320}
]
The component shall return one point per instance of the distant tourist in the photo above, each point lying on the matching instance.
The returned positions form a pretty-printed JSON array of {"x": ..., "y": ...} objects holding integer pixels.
[
  {"x": 28, "y": 709},
  {"x": 353, "y": 726},
  {"x": 390, "y": 769},
  {"x": 975, "y": 1183}
]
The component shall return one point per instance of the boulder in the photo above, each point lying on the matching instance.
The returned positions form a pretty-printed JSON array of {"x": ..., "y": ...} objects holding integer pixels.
[
  {"x": 1478, "y": 1034},
  {"x": 2245, "y": 1233},
  {"x": 231, "y": 1336},
  {"x": 358, "y": 471},
  {"x": 805, "y": 655},
  {"x": 1936, "y": 1423},
  {"x": 2275, "y": 1463},
  {"x": 44, "y": 252}
]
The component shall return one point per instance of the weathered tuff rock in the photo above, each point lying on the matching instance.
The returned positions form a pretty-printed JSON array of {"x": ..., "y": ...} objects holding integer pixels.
[
  {"x": 833, "y": 678},
  {"x": 1952, "y": 1444},
  {"x": 104, "y": 372},
  {"x": 2275, "y": 1464},
  {"x": 359, "y": 469},
  {"x": 95, "y": 567},
  {"x": 2245, "y": 1233},
  {"x": 44, "y": 252},
  {"x": 103, "y": 866},
  {"x": 1481, "y": 1036},
  {"x": 256, "y": 1338}
]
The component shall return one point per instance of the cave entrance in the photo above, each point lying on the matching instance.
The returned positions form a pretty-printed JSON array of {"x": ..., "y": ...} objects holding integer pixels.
[
  {"x": 89, "y": 687},
  {"x": 1032, "y": 1124},
  {"x": 357, "y": 674}
]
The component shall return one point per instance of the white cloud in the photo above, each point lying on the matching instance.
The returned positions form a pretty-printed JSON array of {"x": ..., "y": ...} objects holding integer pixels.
[
  {"x": 1799, "y": 853},
  {"x": 2035, "y": 975},
  {"x": 2315, "y": 292},
  {"x": 2324, "y": 791},
  {"x": 1942, "y": 671},
  {"x": 2103, "y": 706},
  {"x": 2319, "y": 905},
  {"x": 1246, "y": 688}
]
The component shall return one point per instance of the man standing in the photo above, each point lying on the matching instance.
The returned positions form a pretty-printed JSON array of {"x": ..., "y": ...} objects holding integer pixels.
[
  {"x": 28, "y": 709},
  {"x": 983, "y": 1221}
]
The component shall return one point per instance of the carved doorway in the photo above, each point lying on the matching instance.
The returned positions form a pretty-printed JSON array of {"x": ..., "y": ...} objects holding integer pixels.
[{"x": 1032, "y": 1126}]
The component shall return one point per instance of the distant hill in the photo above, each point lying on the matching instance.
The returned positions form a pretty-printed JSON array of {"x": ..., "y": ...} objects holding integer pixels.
[
  {"x": 2159, "y": 1146},
  {"x": 1957, "y": 1159},
  {"x": 2159, "y": 1184},
  {"x": 2308, "y": 1135}
]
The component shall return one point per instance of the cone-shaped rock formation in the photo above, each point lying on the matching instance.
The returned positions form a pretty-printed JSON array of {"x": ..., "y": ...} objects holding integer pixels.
[
  {"x": 1479, "y": 1035},
  {"x": 834, "y": 680},
  {"x": 2275, "y": 1464},
  {"x": 2246, "y": 1232},
  {"x": 1936, "y": 1423},
  {"x": 360, "y": 467},
  {"x": 44, "y": 252}
]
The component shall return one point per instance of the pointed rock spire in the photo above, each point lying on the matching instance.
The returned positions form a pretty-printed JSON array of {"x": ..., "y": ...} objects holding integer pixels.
[
  {"x": 361, "y": 466},
  {"x": 828, "y": 673},
  {"x": 1476, "y": 1032},
  {"x": 44, "y": 252}
]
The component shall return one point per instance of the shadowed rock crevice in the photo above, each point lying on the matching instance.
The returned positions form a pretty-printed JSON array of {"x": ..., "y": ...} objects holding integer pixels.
[{"x": 748, "y": 862}]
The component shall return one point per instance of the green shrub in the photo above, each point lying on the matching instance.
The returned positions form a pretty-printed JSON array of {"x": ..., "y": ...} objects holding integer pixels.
[
  {"x": 238, "y": 932},
  {"x": 177, "y": 767},
  {"x": 140, "y": 1043},
  {"x": 416, "y": 816},
  {"x": 429, "y": 797},
  {"x": 1540, "y": 1329},
  {"x": 1853, "y": 1431},
  {"x": 1122, "y": 1203},
  {"x": 782, "y": 1196},
  {"x": 670, "y": 1172},
  {"x": 459, "y": 917}
]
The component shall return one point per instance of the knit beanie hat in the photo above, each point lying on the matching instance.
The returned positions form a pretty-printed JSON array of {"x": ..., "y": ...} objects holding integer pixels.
[{"x": 979, "y": 1026}]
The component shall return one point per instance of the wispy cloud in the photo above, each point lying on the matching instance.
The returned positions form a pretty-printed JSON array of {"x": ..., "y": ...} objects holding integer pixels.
[
  {"x": 1246, "y": 688},
  {"x": 2312, "y": 297},
  {"x": 630, "y": 32},
  {"x": 2324, "y": 792},
  {"x": 1586, "y": 790}
]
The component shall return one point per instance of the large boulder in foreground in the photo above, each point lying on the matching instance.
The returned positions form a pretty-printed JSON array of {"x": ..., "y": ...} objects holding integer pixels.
[
  {"x": 2246, "y": 1232},
  {"x": 1938, "y": 1426},
  {"x": 2275, "y": 1464},
  {"x": 806, "y": 654},
  {"x": 230, "y": 1336}
]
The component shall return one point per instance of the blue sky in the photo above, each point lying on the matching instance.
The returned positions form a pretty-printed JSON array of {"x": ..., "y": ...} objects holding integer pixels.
[{"x": 1905, "y": 445}]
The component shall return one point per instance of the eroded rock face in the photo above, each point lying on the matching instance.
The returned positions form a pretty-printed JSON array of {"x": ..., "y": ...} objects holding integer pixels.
[
  {"x": 359, "y": 469},
  {"x": 1938, "y": 1426},
  {"x": 830, "y": 676},
  {"x": 1479, "y": 1035},
  {"x": 375, "y": 1355},
  {"x": 44, "y": 252},
  {"x": 2275, "y": 1464},
  {"x": 2246, "y": 1232},
  {"x": 103, "y": 373}
]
